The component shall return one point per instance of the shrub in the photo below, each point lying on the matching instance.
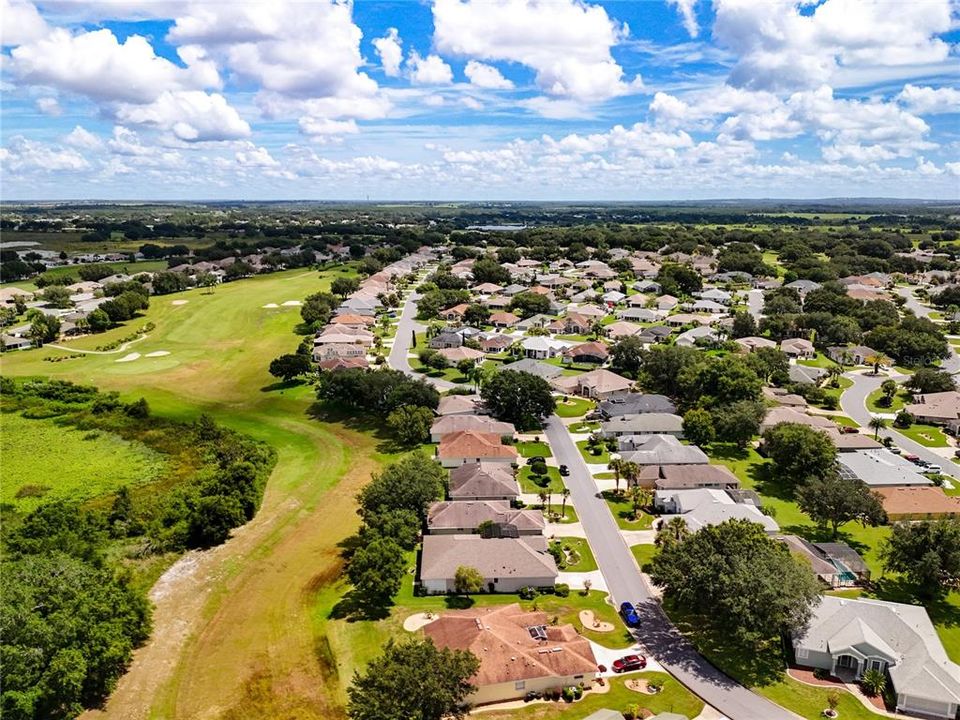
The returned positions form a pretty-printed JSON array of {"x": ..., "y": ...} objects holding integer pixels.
[
  {"x": 561, "y": 590},
  {"x": 873, "y": 682},
  {"x": 527, "y": 593},
  {"x": 538, "y": 468},
  {"x": 903, "y": 419}
]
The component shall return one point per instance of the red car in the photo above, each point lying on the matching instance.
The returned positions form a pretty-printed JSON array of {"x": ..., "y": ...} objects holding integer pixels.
[{"x": 628, "y": 663}]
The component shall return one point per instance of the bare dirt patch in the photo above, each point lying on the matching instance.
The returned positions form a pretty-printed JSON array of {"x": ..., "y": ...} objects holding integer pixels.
[{"x": 590, "y": 622}]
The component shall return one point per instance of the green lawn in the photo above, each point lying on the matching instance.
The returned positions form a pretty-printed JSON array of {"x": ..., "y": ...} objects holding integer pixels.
[
  {"x": 897, "y": 402},
  {"x": 531, "y": 448},
  {"x": 844, "y": 420},
  {"x": 603, "y": 456},
  {"x": 578, "y": 553},
  {"x": 527, "y": 484},
  {"x": 819, "y": 360},
  {"x": 581, "y": 427},
  {"x": 556, "y": 504},
  {"x": 622, "y": 510},
  {"x": 574, "y": 407},
  {"x": 44, "y": 460},
  {"x": 835, "y": 392},
  {"x": 644, "y": 554},
  {"x": 73, "y": 271},
  {"x": 928, "y": 435},
  {"x": 673, "y": 698}
]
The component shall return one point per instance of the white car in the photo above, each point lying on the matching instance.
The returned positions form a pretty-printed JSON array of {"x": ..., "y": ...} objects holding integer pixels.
[{"x": 932, "y": 469}]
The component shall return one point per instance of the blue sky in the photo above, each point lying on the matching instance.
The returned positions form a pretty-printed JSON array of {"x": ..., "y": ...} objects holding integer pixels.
[{"x": 479, "y": 99}]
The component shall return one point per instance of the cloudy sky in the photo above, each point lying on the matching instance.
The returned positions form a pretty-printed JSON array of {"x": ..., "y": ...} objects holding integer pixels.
[{"x": 480, "y": 99}]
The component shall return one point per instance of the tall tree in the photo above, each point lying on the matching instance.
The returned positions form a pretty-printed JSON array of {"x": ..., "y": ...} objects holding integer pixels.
[
  {"x": 698, "y": 427},
  {"x": 928, "y": 553},
  {"x": 376, "y": 570},
  {"x": 835, "y": 500},
  {"x": 799, "y": 452},
  {"x": 410, "y": 424},
  {"x": 519, "y": 398},
  {"x": 626, "y": 356},
  {"x": 467, "y": 580},
  {"x": 739, "y": 579},
  {"x": 413, "y": 680}
]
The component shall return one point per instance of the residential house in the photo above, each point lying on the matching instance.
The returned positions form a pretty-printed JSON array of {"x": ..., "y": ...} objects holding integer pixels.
[
  {"x": 534, "y": 321},
  {"x": 709, "y": 306},
  {"x": 638, "y": 301},
  {"x": 702, "y": 507},
  {"x": 754, "y": 343},
  {"x": 634, "y": 403},
  {"x": 806, "y": 374},
  {"x": 848, "y": 637},
  {"x": 666, "y": 302},
  {"x": 513, "y": 289},
  {"x": 942, "y": 408},
  {"x": 621, "y": 329},
  {"x": 519, "y": 651},
  {"x": 599, "y": 384},
  {"x": 647, "y": 286},
  {"x": 540, "y": 347},
  {"x": 503, "y": 319},
  {"x": 459, "y": 405},
  {"x": 468, "y": 446},
  {"x": 446, "y": 339},
  {"x": 777, "y": 415},
  {"x": 880, "y": 468},
  {"x": 613, "y": 297},
  {"x": 448, "y": 424},
  {"x": 803, "y": 286},
  {"x": 506, "y": 564},
  {"x": 854, "y": 355},
  {"x": 660, "y": 450},
  {"x": 495, "y": 342},
  {"x": 455, "y": 313},
  {"x": 534, "y": 367},
  {"x": 651, "y": 423},
  {"x": 690, "y": 337},
  {"x": 681, "y": 319},
  {"x": 461, "y": 517},
  {"x": 352, "y": 320},
  {"x": 338, "y": 351},
  {"x": 918, "y": 503},
  {"x": 837, "y": 565},
  {"x": 487, "y": 288},
  {"x": 483, "y": 481},
  {"x": 798, "y": 348},
  {"x": 497, "y": 302},
  {"x": 716, "y": 295},
  {"x": 347, "y": 363},
  {"x": 690, "y": 477},
  {"x": 588, "y": 352},
  {"x": 459, "y": 354}
]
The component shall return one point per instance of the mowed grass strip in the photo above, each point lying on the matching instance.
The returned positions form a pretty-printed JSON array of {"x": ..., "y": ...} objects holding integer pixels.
[{"x": 44, "y": 461}]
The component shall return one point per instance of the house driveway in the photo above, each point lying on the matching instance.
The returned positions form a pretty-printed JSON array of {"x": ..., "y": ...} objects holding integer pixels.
[
  {"x": 575, "y": 580},
  {"x": 605, "y": 656}
]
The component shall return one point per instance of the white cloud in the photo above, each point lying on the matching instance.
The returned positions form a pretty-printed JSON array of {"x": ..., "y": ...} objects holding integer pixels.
[
  {"x": 430, "y": 70},
  {"x": 930, "y": 101},
  {"x": 192, "y": 116},
  {"x": 389, "y": 49},
  {"x": 325, "y": 126},
  {"x": 127, "y": 142},
  {"x": 952, "y": 168},
  {"x": 486, "y": 76},
  {"x": 21, "y": 23},
  {"x": 566, "y": 42},
  {"x": 558, "y": 109},
  {"x": 23, "y": 154},
  {"x": 688, "y": 12},
  {"x": 49, "y": 106},
  {"x": 784, "y": 44},
  {"x": 96, "y": 65},
  {"x": 82, "y": 138},
  {"x": 253, "y": 156}
]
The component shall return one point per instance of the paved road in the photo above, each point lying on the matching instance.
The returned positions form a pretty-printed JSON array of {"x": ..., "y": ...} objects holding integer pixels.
[
  {"x": 853, "y": 401},
  {"x": 952, "y": 363},
  {"x": 404, "y": 339},
  {"x": 755, "y": 304},
  {"x": 658, "y": 637}
]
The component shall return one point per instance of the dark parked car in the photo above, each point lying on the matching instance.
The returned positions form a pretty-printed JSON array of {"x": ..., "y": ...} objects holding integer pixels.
[
  {"x": 629, "y": 614},
  {"x": 848, "y": 429},
  {"x": 629, "y": 662},
  {"x": 564, "y": 470},
  {"x": 536, "y": 458}
]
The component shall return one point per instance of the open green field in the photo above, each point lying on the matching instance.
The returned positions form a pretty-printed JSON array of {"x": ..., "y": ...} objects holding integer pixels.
[
  {"x": 527, "y": 484},
  {"x": 236, "y": 631},
  {"x": 574, "y": 407},
  {"x": 45, "y": 461},
  {"x": 928, "y": 435},
  {"x": 579, "y": 555},
  {"x": 72, "y": 271}
]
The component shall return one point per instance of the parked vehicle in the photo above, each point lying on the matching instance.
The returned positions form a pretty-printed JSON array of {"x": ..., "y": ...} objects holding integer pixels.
[
  {"x": 629, "y": 614},
  {"x": 564, "y": 470},
  {"x": 932, "y": 469},
  {"x": 846, "y": 429},
  {"x": 894, "y": 450},
  {"x": 629, "y": 662},
  {"x": 911, "y": 457},
  {"x": 536, "y": 458}
]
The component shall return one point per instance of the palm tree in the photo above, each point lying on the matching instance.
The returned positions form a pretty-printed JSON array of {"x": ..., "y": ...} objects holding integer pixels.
[
  {"x": 873, "y": 682},
  {"x": 834, "y": 372},
  {"x": 563, "y": 509},
  {"x": 597, "y": 329},
  {"x": 631, "y": 471},
  {"x": 877, "y": 424},
  {"x": 672, "y": 532},
  {"x": 543, "y": 498},
  {"x": 616, "y": 465},
  {"x": 639, "y": 497},
  {"x": 877, "y": 360}
]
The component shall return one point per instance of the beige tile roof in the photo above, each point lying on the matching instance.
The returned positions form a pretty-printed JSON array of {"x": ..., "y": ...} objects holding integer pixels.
[
  {"x": 482, "y": 480},
  {"x": 471, "y": 444},
  {"x": 524, "y": 557},
  {"x": 500, "y": 638},
  {"x": 470, "y": 513},
  {"x": 477, "y": 423}
]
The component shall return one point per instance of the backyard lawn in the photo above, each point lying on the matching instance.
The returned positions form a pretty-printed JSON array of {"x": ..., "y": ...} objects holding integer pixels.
[
  {"x": 532, "y": 448},
  {"x": 622, "y": 510},
  {"x": 579, "y": 556},
  {"x": 552, "y": 479},
  {"x": 574, "y": 407},
  {"x": 581, "y": 427}
]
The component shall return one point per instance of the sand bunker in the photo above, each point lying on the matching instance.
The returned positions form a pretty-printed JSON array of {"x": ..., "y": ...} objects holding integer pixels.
[
  {"x": 590, "y": 622},
  {"x": 270, "y": 306},
  {"x": 418, "y": 620},
  {"x": 179, "y": 302},
  {"x": 157, "y": 353},
  {"x": 292, "y": 303},
  {"x": 129, "y": 358}
]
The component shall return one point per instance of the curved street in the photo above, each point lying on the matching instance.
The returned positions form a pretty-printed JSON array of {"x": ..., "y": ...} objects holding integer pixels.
[{"x": 657, "y": 636}]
